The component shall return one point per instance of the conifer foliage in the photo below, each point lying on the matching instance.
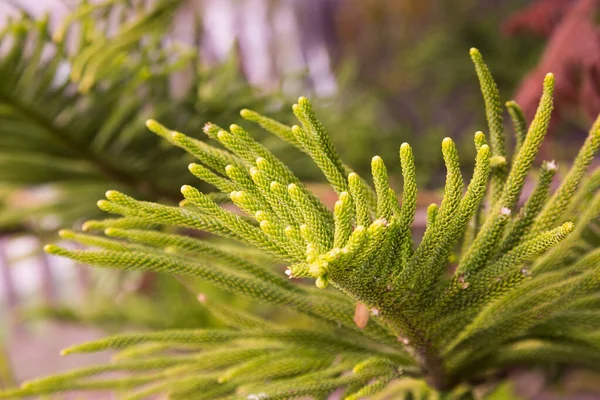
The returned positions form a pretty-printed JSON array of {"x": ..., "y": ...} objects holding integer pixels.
[
  {"x": 73, "y": 102},
  {"x": 523, "y": 288}
]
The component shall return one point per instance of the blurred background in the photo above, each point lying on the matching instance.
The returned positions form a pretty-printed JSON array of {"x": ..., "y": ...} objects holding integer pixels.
[{"x": 79, "y": 78}]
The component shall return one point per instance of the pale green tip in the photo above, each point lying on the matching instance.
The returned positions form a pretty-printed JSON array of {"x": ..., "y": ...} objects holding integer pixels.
[
  {"x": 248, "y": 114},
  {"x": 568, "y": 227},
  {"x": 549, "y": 83},
  {"x": 207, "y": 127},
  {"x": 243, "y": 197},
  {"x": 303, "y": 103},
  {"x": 322, "y": 282},
  {"x": 103, "y": 204},
  {"x": 511, "y": 103},
  {"x": 187, "y": 190},
  {"x": 344, "y": 196},
  {"x": 447, "y": 142},
  {"x": 111, "y": 231},
  {"x": 474, "y": 52},
  {"x": 229, "y": 169},
  {"x": 27, "y": 385},
  {"x": 86, "y": 226},
  {"x": 157, "y": 128},
  {"x": 66, "y": 233},
  {"x": 233, "y": 127},
  {"x": 152, "y": 124},
  {"x": 222, "y": 135},
  {"x": 111, "y": 194},
  {"x": 264, "y": 224},
  {"x": 260, "y": 161},
  {"x": 52, "y": 249},
  {"x": 89, "y": 347},
  {"x": 359, "y": 232},
  {"x": 405, "y": 153},
  {"x": 353, "y": 175}
]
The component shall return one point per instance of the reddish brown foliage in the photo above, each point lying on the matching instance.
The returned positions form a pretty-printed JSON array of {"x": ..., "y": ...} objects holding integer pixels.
[
  {"x": 572, "y": 54},
  {"x": 540, "y": 18}
]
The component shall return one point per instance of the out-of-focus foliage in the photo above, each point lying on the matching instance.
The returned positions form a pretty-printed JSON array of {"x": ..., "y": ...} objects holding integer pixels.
[
  {"x": 572, "y": 53},
  {"x": 131, "y": 299},
  {"x": 71, "y": 110},
  {"x": 73, "y": 99},
  {"x": 409, "y": 52}
]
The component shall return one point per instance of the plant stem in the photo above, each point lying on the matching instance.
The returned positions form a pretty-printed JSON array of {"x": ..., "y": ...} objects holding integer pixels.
[{"x": 425, "y": 352}]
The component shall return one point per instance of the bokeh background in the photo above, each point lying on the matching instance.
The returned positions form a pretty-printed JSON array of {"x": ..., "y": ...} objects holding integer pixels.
[{"x": 78, "y": 79}]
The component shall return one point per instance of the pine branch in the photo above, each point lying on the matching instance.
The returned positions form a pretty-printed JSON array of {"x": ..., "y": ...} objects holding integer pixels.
[{"x": 525, "y": 288}]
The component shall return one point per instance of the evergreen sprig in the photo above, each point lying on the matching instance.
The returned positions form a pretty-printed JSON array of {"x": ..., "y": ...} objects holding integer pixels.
[{"x": 524, "y": 291}]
